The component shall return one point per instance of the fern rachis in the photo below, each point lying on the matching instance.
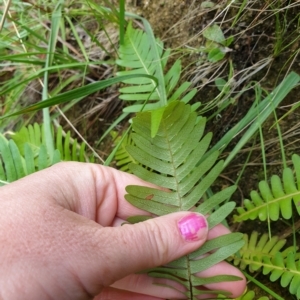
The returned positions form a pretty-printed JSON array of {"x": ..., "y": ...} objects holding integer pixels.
[
  {"x": 275, "y": 198},
  {"x": 170, "y": 160}
]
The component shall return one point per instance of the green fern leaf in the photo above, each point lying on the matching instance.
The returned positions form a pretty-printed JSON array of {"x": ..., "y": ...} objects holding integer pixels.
[
  {"x": 268, "y": 255},
  {"x": 138, "y": 57},
  {"x": 26, "y": 153},
  {"x": 122, "y": 157},
  {"x": 9, "y": 172},
  {"x": 12, "y": 164},
  {"x": 32, "y": 135},
  {"x": 256, "y": 248},
  {"x": 29, "y": 159},
  {"x": 249, "y": 295},
  {"x": 275, "y": 200},
  {"x": 43, "y": 159},
  {"x": 17, "y": 159},
  {"x": 287, "y": 269},
  {"x": 170, "y": 160}
]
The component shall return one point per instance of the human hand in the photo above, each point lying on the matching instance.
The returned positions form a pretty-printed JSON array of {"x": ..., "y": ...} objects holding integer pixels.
[{"x": 61, "y": 238}]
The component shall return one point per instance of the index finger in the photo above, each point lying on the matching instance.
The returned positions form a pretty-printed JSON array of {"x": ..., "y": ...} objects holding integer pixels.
[{"x": 92, "y": 190}]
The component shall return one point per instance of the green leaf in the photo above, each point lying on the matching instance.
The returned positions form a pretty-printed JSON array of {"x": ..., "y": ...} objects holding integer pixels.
[
  {"x": 220, "y": 83},
  {"x": 215, "y": 55},
  {"x": 77, "y": 93},
  {"x": 214, "y": 33},
  {"x": 156, "y": 116},
  {"x": 207, "y": 4},
  {"x": 275, "y": 200},
  {"x": 8, "y": 160},
  {"x": 26, "y": 152},
  {"x": 141, "y": 53},
  {"x": 268, "y": 255},
  {"x": 169, "y": 159},
  {"x": 256, "y": 116}
]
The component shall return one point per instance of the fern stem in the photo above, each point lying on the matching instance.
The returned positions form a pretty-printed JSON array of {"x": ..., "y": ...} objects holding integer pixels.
[
  {"x": 280, "y": 141},
  {"x": 112, "y": 154},
  {"x": 262, "y": 286}
]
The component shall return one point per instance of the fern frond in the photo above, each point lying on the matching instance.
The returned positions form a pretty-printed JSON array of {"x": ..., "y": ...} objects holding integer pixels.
[
  {"x": 9, "y": 172},
  {"x": 248, "y": 295},
  {"x": 255, "y": 248},
  {"x": 14, "y": 165},
  {"x": 26, "y": 152},
  {"x": 267, "y": 254},
  {"x": 138, "y": 57},
  {"x": 251, "y": 296},
  {"x": 275, "y": 200},
  {"x": 69, "y": 149},
  {"x": 122, "y": 157},
  {"x": 170, "y": 160}
]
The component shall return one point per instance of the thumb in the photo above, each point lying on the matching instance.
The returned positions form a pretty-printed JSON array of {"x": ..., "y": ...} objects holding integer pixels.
[{"x": 152, "y": 243}]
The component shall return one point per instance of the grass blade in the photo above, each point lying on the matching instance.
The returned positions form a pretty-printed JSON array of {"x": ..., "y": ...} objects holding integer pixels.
[{"x": 76, "y": 93}]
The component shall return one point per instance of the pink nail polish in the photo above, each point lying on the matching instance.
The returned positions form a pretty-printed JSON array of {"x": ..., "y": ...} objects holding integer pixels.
[{"x": 191, "y": 225}]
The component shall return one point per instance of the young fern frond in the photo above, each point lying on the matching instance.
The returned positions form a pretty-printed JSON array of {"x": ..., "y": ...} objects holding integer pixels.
[
  {"x": 122, "y": 157},
  {"x": 275, "y": 200},
  {"x": 33, "y": 135},
  {"x": 268, "y": 255},
  {"x": 248, "y": 295},
  {"x": 256, "y": 248},
  {"x": 138, "y": 57},
  {"x": 26, "y": 152},
  {"x": 14, "y": 165},
  {"x": 170, "y": 160},
  {"x": 69, "y": 148}
]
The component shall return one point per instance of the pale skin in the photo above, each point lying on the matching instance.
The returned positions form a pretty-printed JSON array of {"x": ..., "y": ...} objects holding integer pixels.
[{"x": 61, "y": 238}]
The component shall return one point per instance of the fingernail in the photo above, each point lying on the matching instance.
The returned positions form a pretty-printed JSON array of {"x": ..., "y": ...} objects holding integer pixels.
[{"x": 191, "y": 227}]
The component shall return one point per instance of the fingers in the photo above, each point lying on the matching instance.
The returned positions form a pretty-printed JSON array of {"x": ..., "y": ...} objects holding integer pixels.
[
  {"x": 110, "y": 293},
  {"x": 95, "y": 255},
  {"x": 91, "y": 190},
  {"x": 145, "y": 284},
  {"x": 236, "y": 288},
  {"x": 142, "y": 283},
  {"x": 96, "y": 192},
  {"x": 132, "y": 248}
]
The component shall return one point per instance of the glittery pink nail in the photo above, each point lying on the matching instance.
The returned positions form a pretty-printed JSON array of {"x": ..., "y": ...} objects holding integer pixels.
[{"x": 191, "y": 225}]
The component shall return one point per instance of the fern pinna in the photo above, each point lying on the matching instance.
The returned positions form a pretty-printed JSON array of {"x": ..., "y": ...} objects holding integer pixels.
[
  {"x": 140, "y": 55},
  {"x": 26, "y": 152},
  {"x": 269, "y": 256},
  {"x": 170, "y": 160},
  {"x": 272, "y": 200}
]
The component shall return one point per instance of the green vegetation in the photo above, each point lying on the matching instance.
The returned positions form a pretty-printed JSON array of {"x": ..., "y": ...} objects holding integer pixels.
[{"x": 113, "y": 92}]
